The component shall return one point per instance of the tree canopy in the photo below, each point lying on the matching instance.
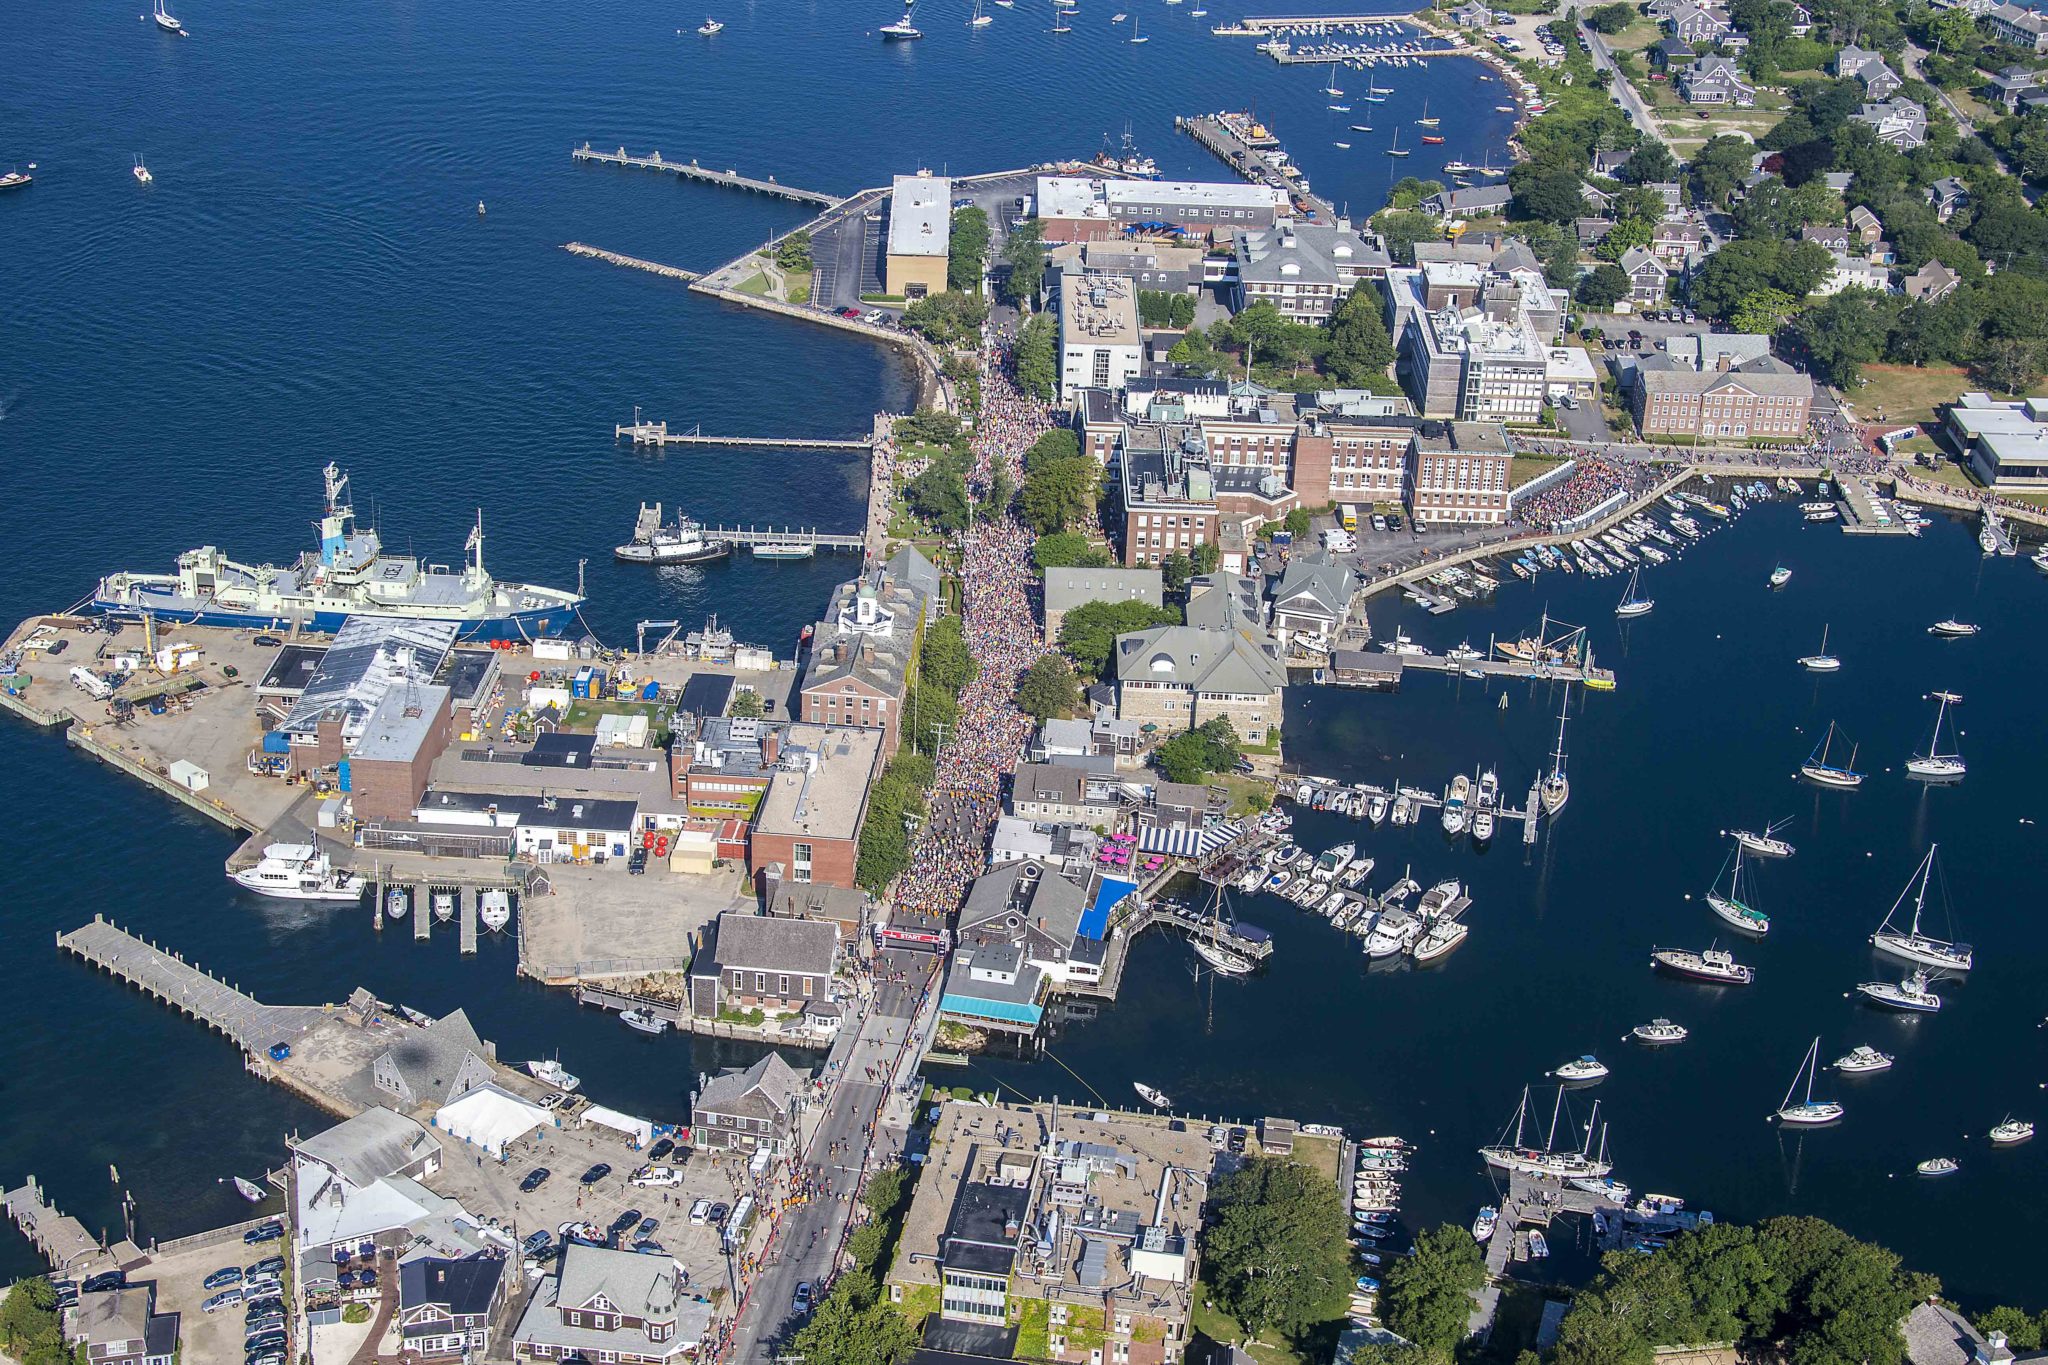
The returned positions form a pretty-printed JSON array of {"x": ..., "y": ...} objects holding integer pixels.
[
  {"x": 1088, "y": 632},
  {"x": 1058, "y": 444},
  {"x": 1068, "y": 550},
  {"x": 947, "y": 317},
  {"x": 1359, "y": 349},
  {"x": 1024, "y": 253},
  {"x": 1603, "y": 286},
  {"x": 1427, "y": 1297},
  {"x": 1192, "y": 755},
  {"x": 967, "y": 250},
  {"x": 1275, "y": 1249},
  {"x": 939, "y": 495},
  {"x": 1048, "y": 688},
  {"x": 1060, "y": 493},
  {"x": 944, "y": 657},
  {"x": 1038, "y": 369},
  {"x": 884, "y": 851},
  {"x": 852, "y": 1326}
]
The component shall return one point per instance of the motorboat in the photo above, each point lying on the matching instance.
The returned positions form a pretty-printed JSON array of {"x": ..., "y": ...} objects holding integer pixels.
[
  {"x": 709, "y": 27},
  {"x": 550, "y": 1071},
  {"x": 1912, "y": 945},
  {"x": 494, "y": 909},
  {"x": 2011, "y": 1132},
  {"x": 684, "y": 542},
  {"x": 1808, "y": 1112},
  {"x": 1376, "y": 807},
  {"x": 1614, "y": 1191},
  {"x": 1454, "y": 804},
  {"x": 643, "y": 1021},
  {"x": 14, "y": 180},
  {"x": 1487, "y": 802},
  {"x": 1950, "y": 628},
  {"x": 1767, "y": 844},
  {"x": 1484, "y": 1224},
  {"x": 444, "y": 905},
  {"x": 1862, "y": 1060},
  {"x": 1439, "y": 939},
  {"x": 141, "y": 171},
  {"x": 1780, "y": 576},
  {"x": 1539, "y": 1246},
  {"x": 1939, "y": 1165},
  {"x": 1582, "y": 1069},
  {"x": 1715, "y": 966},
  {"x": 394, "y": 903},
  {"x": 1817, "y": 768},
  {"x": 1156, "y": 1098},
  {"x": 1377, "y": 1220},
  {"x": 1821, "y": 661},
  {"x": 1660, "y": 1030},
  {"x": 1909, "y": 994},
  {"x": 1938, "y": 764},
  {"x": 901, "y": 31},
  {"x": 298, "y": 872},
  {"x": 1735, "y": 906}
]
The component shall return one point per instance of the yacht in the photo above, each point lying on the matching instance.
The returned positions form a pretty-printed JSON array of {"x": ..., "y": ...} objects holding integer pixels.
[
  {"x": 1376, "y": 808},
  {"x": 1556, "y": 788},
  {"x": 1155, "y": 1098},
  {"x": 1584, "y": 1069},
  {"x": 1862, "y": 1060},
  {"x": 1817, "y": 768},
  {"x": 1910, "y": 994},
  {"x": 1660, "y": 1030},
  {"x": 443, "y": 903},
  {"x": 1733, "y": 907},
  {"x": 14, "y": 180},
  {"x": 643, "y": 1021},
  {"x": 1715, "y": 966},
  {"x": 1808, "y": 1112},
  {"x": 1780, "y": 576},
  {"x": 166, "y": 21},
  {"x": 1547, "y": 1160},
  {"x": 1454, "y": 804},
  {"x": 1912, "y": 945},
  {"x": 2011, "y": 1132},
  {"x": 1939, "y": 1165},
  {"x": 1767, "y": 844},
  {"x": 1822, "y": 662},
  {"x": 1439, "y": 939},
  {"x": 494, "y": 909},
  {"x": 709, "y": 27},
  {"x": 1487, "y": 800},
  {"x": 1953, "y": 629},
  {"x": 1632, "y": 605},
  {"x": 550, "y": 1071},
  {"x": 298, "y": 872},
  {"x": 902, "y": 31},
  {"x": 1937, "y": 764}
]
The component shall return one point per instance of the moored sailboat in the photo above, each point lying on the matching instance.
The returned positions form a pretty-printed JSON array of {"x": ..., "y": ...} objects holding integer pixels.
[
  {"x": 1821, "y": 661},
  {"x": 1733, "y": 907},
  {"x": 1630, "y": 604},
  {"x": 1912, "y": 945},
  {"x": 1548, "y": 1160},
  {"x": 1809, "y": 1112},
  {"x": 1817, "y": 768},
  {"x": 1937, "y": 764},
  {"x": 1557, "y": 788}
]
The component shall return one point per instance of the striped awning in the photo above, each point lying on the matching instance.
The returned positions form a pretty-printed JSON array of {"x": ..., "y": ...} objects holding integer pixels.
[{"x": 1181, "y": 842}]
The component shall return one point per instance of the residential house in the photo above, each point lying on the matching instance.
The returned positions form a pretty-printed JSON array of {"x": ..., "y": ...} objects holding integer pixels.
[
  {"x": 1592, "y": 231},
  {"x": 1931, "y": 282},
  {"x": 2018, "y": 27},
  {"x": 762, "y": 962},
  {"x": 445, "y": 1306},
  {"x": 1880, "y": 82},
  {"x": 615, "y": 1306},
  {"x": 1673, "y": 54},
  {"x": 2013, "y": 84},
  {"x": 1179, "y": 677},
  {"x": 1759, "y": 398},
  {"x": 1067, "y": 588},
  {"x": 1474, "y": 202},
  {"x": 1312, "y": 601},
  {"x": 1052, "y": 794},
  {"x": 1802, "y": 19},
  {"x": 1946, "y": 195},
  {"x": 1855, "y": 272},
  {"x": 1608, "y": 163},
  {"x": 1647, "y": 276},
  {"x": 1672, "y": 193},
  {"x": 1938, "y": 1335},
  {"x": 1676, "y": 241},
  {"x": 1867, "y": 226},
  {"x": 748, "y": 1110},
  {"x": 122, "y": 1327},
  {"x": 1716, "y": 80},
  {"x": 1881, "y": 252},
  {"x": 1898, "y": 123},
  {"x": 1835, "y": 239},
  {"x": 1697, "y": 23}
]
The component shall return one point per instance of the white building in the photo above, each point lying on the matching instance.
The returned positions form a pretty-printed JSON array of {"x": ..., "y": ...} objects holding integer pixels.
[{"x": 1099, "y": 345}]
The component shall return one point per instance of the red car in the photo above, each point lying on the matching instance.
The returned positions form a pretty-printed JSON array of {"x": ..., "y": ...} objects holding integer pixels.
[{"x": 853, "y": 313}]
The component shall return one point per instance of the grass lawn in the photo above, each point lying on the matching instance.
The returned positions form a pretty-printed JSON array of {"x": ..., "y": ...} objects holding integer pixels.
[
  {"x": 1217, "y": 1325},
  {"x": 1526, "y": 467},
  {"x": 1910, "y": 393},
  {"x": 1641, "y": 33},
  {"x": 1951, "y": 474},
  {"x": 1319, "y": 1153},
  {"x": 1241, "y": 788},
  {"x": 755, "y": 284},
  {"x": 797, "y": 286},
  {"x": 583, "y": 716}
]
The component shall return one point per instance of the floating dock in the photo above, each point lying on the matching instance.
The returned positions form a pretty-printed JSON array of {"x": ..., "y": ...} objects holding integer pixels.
[
  {"x": 658, "y": 434},
  {"x": 690, "y": 170},
  {"x": 673, "y": 272}
]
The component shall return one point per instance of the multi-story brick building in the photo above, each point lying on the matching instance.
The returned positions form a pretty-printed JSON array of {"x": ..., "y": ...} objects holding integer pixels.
[
  {"x": 859, "y": 661},
  {"x": 1355, "y": 448},
  {"x": 1461, "y": 474},
  {"x": 1721, "y": 399},
  {"x": 808, "y": 822}
]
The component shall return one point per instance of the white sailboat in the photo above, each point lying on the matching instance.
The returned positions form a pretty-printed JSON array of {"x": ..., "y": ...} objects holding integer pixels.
[
  {"x": 1936, "y": 764},
  {"x": 1136, "y": 36},
  {"x": 1809, "y": 1111},
  {"x": 1818, "y": 769},
  {"x": 166, "y": 21},
  {"x": 1822, "y": 662},
  {"x": 1331, "y": 89},
  {"x": 1632, "y": 605},
  {"x": 980, "y": 19},
  {"x": 1912, "y": 945},
  {"x": 1733, "y": 907},
  {"x": 1222, "y": 959},
  {"x": 1557, "y": 788},
  {"x": 1426, "y": 121},
  {"x": 1566, "y": 1164},
  {"x": 1765, "y": 845}
]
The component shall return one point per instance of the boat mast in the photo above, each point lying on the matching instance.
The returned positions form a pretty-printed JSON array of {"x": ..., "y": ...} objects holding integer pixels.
[
  {"x": 1586, "y": 1148},
  {"x": 1557, "y": 754},
  {"x": 1550, "y": 1143},
  {"x": 1920, "y": 900},
  {"x": 1521, "y": 1112}
]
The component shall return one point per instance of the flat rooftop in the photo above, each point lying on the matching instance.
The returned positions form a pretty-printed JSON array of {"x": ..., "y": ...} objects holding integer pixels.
[
  {"x": 1098, "y": 310},
  {"x": 920, "y": 215},
  {"x": 825, "y": 798}
]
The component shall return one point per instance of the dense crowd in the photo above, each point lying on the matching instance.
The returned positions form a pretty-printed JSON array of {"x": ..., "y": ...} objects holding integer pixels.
[
  {"x": 1593, "y": 481},
  {"x": 996, "y": 618}
]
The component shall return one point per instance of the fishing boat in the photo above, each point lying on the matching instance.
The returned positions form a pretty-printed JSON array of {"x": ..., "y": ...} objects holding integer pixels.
[
  {"x": 1909, "y": 994},
  {"x": 298, "y": 872},
  {"x": 1952, "y": 629},
  {"x": 1155, "y": 1098},
  {"x": 1455, "y": 167},
  {"x": 1817, "y": 768},
  {"x": 166, "y": 21},
  {"x": 1660, "y": 1031},
  {"x": 1862, "y": 1060},
  {"x": 1733, "y": 907},
  {"x": 681, "y": 543},
  {"x": 1822, "y": 662},
  {"x": 550, "y": 1071},
  {"x": 14, "y": 180},
  {"x": 1583, "y": 1070},
  {"x": 1454, "y": 805},
  {"x": 1809, "y": 1112},
  {"x": 1630, "y": 604},
  {"x": 1912, "y": 945},
  {"x": 494, "y": 909},
  {"x": 1767, "y": 844},
  {"x": 1486, "y": 803},
  {"x": 1484, "y": 1224},
  {"x": 2011, "y": 1132},
  {"x": 141, "y": 172},
  {"x": 709, "y": 27},
  {"x": 1426, "y": 121},
  {"x": 249, "y": 1189},
  {"x": 1780, "y": 576},
  {"x": 1939, "y": 1165},
  {"x": 1938, "y": 764},
  {"x": 902, "y": 31},
  {"x": 1557, "y": 788},
  {"x": 394, "y": 903},
  {"x": 643, "y": 1021},
  {"x": 443, "y": 903},
  {"x": 1547, "y": 1160},
  {"x": 1716, "y": 966}
]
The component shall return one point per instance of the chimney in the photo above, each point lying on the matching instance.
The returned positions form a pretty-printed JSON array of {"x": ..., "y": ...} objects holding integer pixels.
[
  {"x": 771, "y": 748},
  {"x": 1721, "y": 365}
]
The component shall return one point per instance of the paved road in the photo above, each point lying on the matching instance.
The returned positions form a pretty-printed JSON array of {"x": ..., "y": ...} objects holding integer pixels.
[{"x": 1631, "y": 102}]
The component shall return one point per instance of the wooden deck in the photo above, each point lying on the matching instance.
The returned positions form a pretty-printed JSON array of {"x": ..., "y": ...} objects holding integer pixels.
[{"x": 252, "y": 1025}]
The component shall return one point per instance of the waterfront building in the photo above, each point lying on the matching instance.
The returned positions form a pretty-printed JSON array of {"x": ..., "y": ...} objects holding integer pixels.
[
  {"x": 1067, "y": 849},
  {"x": 1473, "y": 201},
  {"x": 1937, "y": 1334},
  {"x": 1100, "y": 736},
  {"x": 122, "y": 1327},
  {"x": 616, "y": 1306},
  {"x": 920, "y": 235},
  {"x": 445, "y": 1306},
  {"x": 1067, "y": 588},
  {"x": 433, "y": 1064},
  {"x": 1083, "y": 209},
  {"x": 842, "y": 906},
  {"x": 1353, "y": 447},
  {"x": 807, "y": 827},
  {"x": 1079, "y": 1228},
  {"x": 2004, "y": 444},
  {"x": 1098, "y": 333},
  {"x": 1179, "y": 677},
  {"x": 2018, "y": 27},
  {"x": 563, "y": 827},
  {"x": 1147, "y": 264},
  {"x": 1303, "y": 269},
  {"x": 748, "y": 1110},
  {"x": 723, "y": 768},
  {"x": 770, "y": 963},
  {"x": 1174, "y": 496},
  {"x": 859, "y": 661},
  {"x": 1020, "y": 938},
  {"x": 1226, "y": 600},
  {"x": 1714, "y": 386},
  {"x": 1461, "y": 474},
  {"x": 1312, "y": 600}
]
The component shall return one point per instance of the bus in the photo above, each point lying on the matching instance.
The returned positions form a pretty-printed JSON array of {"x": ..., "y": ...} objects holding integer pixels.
[{"x": 1348, "y": 514}]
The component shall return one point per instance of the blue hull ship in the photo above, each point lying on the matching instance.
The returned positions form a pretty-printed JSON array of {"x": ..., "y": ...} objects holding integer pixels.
[{"x": 348, "y": 575}]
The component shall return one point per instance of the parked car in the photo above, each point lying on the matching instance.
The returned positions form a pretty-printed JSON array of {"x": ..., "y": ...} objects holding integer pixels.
[
  {"x": 659, "y": 1177},
  {"x": 106, "y": 1279},
  {"x": 801, "y": 1304},
  {"x": 875, "y": 315},
  {"x": 851, "y": 314},
  {"x": 637, "y": 864},
  {"x": 647, "y": 1227},
  {"x": 269, "y": 1322},
  {"x": 535, "y": 1178},
  {"x": 1237, "y": 1140},
  {"x": 267, "y": 1358},
  {"x": 264, "y": 1341},
  {"x": 535, "y": 1241},
  {"x": 269, "y": 1265},
  {"x": 661, "y": 1149},
  {"x": 624, "y": 1220},
  {"x": 225, "y": 1276},
  {"x": 700, "y": 1213},
  {"x": 269, "y": 1232},
  {"x": 221, "y": 1300},
  {"x": 594, "y": 1174},
  {"x": 717, "y": 1215}
]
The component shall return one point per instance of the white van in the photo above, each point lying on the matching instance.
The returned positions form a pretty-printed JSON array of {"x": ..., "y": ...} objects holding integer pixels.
[{"x": 700, "y": 1212}]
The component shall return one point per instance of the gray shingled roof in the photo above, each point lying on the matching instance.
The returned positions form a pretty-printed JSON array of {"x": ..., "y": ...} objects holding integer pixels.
[
  {"x": 373, "y": 1144},
  {"x": 1206, "y": 659},
  {"x": 762, "y": 1091},
  {"x": 773, "y": 944}
]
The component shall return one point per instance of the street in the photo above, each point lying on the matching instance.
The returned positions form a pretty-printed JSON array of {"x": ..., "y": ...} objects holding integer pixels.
[{"x": 1631, "y": 102}]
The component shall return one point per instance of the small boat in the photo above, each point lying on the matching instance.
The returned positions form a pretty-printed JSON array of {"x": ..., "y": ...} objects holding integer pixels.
[
  {"x": 1222, "y": 959},
  {"x": 1862, "y": 1060},
  {"x": 1912, "y": 945},
  {"x": 394, "y": 903},
  {"x": 1426, "y": 121},
  {"x": 1136, "y": 37},
  {"x": 494, "y": 909},
  {"x": 1376, "y": 808},
  {"x": 1937, "y": 764},
  {"x": 782, "y": 550},
  {"x": 1822, "y": 662},
  {"x": 14, "y": 180},
  {"x": 1376, "y": 1220},
  {"x": 1939, "y": 1165},
  {"x": 1909, "y": 994},
  {"x": 1156, "y": 1098},
  {"x": 1780, "y": 576},
  {"x": 1809, "y": 1112},
  {"x": 1614, "y": 1191},
  {"x": 444, "y": 906},
  {"x": 2011, "y": 1132},
  {"x": 1484, "y": 1224},
  {"x": 1361, "y": 127},
  {"x": 1439, "y": 939},
  {"x": 479, "y": 208},
  {"x": 1431, "y": 138},
  {"x": 550, "y": 1071},
  {"x": 643, "y": 1021},
  {"x": 1341, "y": 146},
  {"x": 1660, "y": 1030},
  {"x": 249, "y": 1190},
  {"x": 980, "y": 19},
  {"x": 1715, "y": 966},
  {"x": 1952, "y": 629},
  {"x": 1453, "y": 817},
  {"x": 1733, "y": 907},
  {"x": 1539, "y": 1246},
  {"x": 166, "y": 21},
  {"x": 1487, "y": 799},
  {"x": 1582, "y": 1069},
  {"x": 902, "y": 31},
  {"x": 709, "y": 27},
  {"x": 1397, "y": 149},
  {"x": 1632, "y": 605},
  {"x": 142, "y": 172},
  {"x": 1767, "y": 844},
  {"x": 1818, "y": 769}
]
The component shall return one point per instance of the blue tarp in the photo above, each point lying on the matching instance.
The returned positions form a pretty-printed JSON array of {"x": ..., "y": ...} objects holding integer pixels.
[
  {"x": 276, "y": 742},
  {"x": 1095, "y": 919}
]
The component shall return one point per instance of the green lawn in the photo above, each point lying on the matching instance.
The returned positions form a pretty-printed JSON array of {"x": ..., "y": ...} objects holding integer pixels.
[
  {"x": 1526, "y": 467},
  {"x": 1911, "y": 393},
  {"x": 755, "y": 284},
  {"x": 582, "y": 716}
]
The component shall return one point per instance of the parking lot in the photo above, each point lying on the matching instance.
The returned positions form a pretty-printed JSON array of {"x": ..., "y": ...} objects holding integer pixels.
[{"x": 180, "y": 1288}]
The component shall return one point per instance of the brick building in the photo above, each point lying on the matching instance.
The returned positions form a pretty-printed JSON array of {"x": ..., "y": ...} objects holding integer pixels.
[
  {"x": 1461, "y": 474},
  {"x": 808, "y": 822}
]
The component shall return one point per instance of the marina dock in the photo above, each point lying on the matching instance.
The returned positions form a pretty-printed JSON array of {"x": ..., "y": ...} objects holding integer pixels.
[
  {"x": 252, "y": 1025},
  {"x": 783, "y": 535},
  {"x": 658, "y": 434},
  {"x": 62, "y": 1239},
  {"x": 690, "y": 170},
  {"x": 673, "y": 272},
  {"x": 465, "y": 914},
  {"x": 1863, "y": 512},
  {"x": 1243, "y": 150}
]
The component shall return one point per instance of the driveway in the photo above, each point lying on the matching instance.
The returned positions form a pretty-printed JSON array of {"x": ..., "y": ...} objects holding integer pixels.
[{"x": 1583, "y": 421}]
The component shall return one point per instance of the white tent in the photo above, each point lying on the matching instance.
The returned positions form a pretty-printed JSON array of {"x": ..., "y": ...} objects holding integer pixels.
[
  {"x": 488, "y": 1117},
  {"x": 640, "y": 1130}
]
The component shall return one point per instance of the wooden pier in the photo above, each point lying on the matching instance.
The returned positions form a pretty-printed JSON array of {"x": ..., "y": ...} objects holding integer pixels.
[
  {"x": 673, "y": 272},
  {"x": 1247, "y": 158},
  {"x": 62, "y": 1239},
  {"x": 690, "y": 170},
  {"x": 658, "y": 434},
  {"x": 253, "y": 1026},
  {"x": 784, "y": 535},
  {"x": 465, "y": 914}
]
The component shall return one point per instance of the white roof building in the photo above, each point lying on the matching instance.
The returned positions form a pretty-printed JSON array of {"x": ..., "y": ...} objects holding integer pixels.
[
  {"x": 920, "y": 216},
  {"x": 490, "y": 1118}
]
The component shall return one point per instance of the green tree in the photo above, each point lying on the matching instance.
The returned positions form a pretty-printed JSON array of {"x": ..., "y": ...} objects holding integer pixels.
[
  {"x": 2022, "y": 1330},
  {"x": 1048, "y": 688},
  {"x": 946, "y": 318},
  {"x": 929, "y": 426},
  {"x": 853, "y": 1327},
  {"x": 1403, "y": 229},
  {"x": 944, "y": 658},
  {"x": 1208, "y": 556},
  {"x": 1359, "y": 349},
  {"x": 1550, "y": 193},
  {"x": 1846, "y": 332},
  {"x": 995, "y": 499},
  {"x": 1624, "y": 237},
  {"x": 1297, "y": 523},
  {"x": 967, "y": 250},
  {"x": 1038, "y": 369},
  {"x": 1603, "y": 286},
  {"x": 1954, "y": 29},
  {"x": 1058, "y": 444},
  {"x": 1068, "y": 550},
  {"x": 885, "y": 1191},
  {"x": 1720, "y": 166},
  {"x": 1060, "y": 493},
  {"x": 1650, "y": 164},
  {"x": 932, "y": 711},
  {"x": 794, "y": 251},
  {"x": 939, "y": 495},
  {"x": 1762, "y": 311},
  {"x": 1024, "y": 253},
  {"x": 1593, "y": 1334},
  {"x": 1088, "y": 632},
  {"x": 1194, "y": 754},
  {"x": 1194, "y": 353},
  {"x": 1611, "y": 19},
  {"x": 1427, "y": 1297},
  {"x": 1275, "y": 1248},
  {"x": 1175, "y": 571},
  {"x": 2011, "y": 364},
  {"x": 746, "y": 704}
]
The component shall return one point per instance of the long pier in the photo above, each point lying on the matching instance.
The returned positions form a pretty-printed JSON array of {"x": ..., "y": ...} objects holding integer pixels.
[
  {"x": 1247, "y": 156},
  {"x": 595, "y": 253},
  {"x": 690, "y": 170},
  {"x": 658, "y": 434},
  {"x": 253, "y": 1026},
  {"x": 62, "y": 1239},
  {"x": 777, "y": 535}
]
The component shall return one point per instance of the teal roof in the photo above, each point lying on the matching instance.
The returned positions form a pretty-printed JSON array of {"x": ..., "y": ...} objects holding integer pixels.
[{"x": 1006, "y": 1010}]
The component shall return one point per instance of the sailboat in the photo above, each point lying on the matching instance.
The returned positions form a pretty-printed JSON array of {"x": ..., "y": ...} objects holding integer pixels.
[
  {"x": 1059, "y": 22},
  {"x": 1136, "y": 36},
  {"x": 1546, "y": 1161},
  {"x": 1936, "y": 765},
  {"x": 1912, "y": 945},
  {"x": 1818, "y": 769},
  {"x": 1557, "y": 788},
  {"x": 1396, "y": 149},
  {"x": 1331, "y": 89},
  {"x": 1809, "y": 1111},
  {"x": 1732, "y": 907},
  {"x": 1780, "y": 576},
  {"x": 980, "y": 20},
  {"x": 1374, "y": 94},
  {"x": 902, "y": 31},
  {"x": 1822, "y": 662},
  {"x": 166, "y": 21},
  {"x": 1632, "y": 605},
  {"x": 1215, "y": 954},
  {"x": 142, "y": 174},
  {"x": 1765, "y": 845},
  {"x": 1426, "y": 121}
]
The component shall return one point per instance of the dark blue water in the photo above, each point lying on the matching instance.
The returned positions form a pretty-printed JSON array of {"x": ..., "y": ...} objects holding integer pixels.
[{"x": 1711, "y": 719}]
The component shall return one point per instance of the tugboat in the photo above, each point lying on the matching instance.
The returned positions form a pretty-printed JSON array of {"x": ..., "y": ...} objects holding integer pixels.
[{"x": 682, "y": 543}]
